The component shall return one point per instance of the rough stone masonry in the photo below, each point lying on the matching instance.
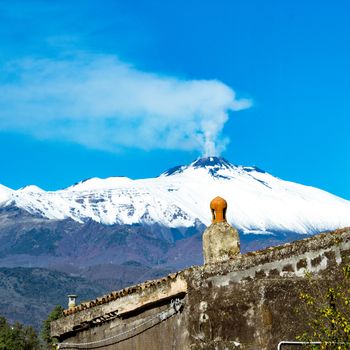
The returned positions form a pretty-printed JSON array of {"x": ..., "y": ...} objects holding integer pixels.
[
  {"x": 239, "y": 301},
  {"x": 220, "y": 240}
]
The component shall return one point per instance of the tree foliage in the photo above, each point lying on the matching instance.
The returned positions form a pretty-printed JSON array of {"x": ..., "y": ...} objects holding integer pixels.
[
  {"x": 17, "y": 336},
  {"x": 56, "y": 313},
  {"x": 328, "y": 314}
]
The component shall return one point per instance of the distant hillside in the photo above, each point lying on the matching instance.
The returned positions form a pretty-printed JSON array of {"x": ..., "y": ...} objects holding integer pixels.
[{"x": 27, "y": 295}]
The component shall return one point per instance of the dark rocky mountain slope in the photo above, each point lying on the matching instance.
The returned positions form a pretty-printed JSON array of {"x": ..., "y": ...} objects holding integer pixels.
[{"x": 28, "y": 295}]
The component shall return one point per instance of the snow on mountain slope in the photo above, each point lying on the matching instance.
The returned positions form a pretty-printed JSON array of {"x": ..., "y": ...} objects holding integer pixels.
[
  {"x": 258, "y": 202},
  {"x": 5, "y": 194}
]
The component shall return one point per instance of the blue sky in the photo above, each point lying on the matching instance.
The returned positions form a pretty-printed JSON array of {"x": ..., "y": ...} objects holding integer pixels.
[{"x": 105, "y": 88}]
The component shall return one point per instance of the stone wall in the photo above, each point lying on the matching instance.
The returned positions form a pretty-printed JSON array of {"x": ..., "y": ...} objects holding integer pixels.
[
  {"x": 140, "y": 330},
  {"x": 245, "y": 303}
]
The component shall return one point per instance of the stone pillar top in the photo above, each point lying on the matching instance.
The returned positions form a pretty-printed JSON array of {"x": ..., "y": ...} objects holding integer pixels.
[
  {"x": 218, "y": 207},
  {"x": 220, "y": 239}
]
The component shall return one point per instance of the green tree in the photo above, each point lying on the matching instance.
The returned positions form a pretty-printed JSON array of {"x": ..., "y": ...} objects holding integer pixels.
[
  {"x": 328, "y": 314},
  {"x": 17, "y": 336},
  {"x": 56, "y": 313}
]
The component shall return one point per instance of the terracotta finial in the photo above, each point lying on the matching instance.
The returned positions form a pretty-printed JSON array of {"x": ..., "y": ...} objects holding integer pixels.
[{"x": 218, "y": 207}]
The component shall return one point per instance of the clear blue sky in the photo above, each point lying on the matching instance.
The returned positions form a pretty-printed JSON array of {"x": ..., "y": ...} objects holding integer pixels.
[{"x": 105, "y": 88}]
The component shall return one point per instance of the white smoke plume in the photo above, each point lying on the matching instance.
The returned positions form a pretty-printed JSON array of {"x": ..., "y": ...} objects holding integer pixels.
[{"x": 103, "y": 103}]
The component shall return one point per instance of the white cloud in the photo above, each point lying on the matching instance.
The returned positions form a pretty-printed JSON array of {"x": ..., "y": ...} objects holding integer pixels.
[{"x": 103, "y": 103}]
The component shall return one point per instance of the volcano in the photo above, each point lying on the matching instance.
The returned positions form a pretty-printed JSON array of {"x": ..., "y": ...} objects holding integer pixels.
[{"x": 117, "y": 231}]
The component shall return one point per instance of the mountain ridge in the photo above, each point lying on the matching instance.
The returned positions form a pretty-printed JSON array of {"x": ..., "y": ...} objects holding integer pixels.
[{"x": 179, "y": 197}]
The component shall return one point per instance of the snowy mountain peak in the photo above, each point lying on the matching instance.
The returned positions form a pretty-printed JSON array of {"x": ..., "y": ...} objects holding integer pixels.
[
  {"x": 217, "y": 167},
  {"x": 95, "y": 183},
  {"x": 180, "y": 197},
  {"x": 211, "y": 164},
  {"x": 31, "y": 189}
]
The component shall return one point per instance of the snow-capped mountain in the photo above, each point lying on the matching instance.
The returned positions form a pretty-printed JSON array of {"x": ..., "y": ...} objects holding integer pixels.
[
  {"x": 257, "y": 201},
  {"x": 119, "y": 231}
]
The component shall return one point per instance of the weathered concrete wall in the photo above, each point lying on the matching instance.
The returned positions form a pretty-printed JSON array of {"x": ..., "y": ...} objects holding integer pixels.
[
  {"x": 249, "y": 300},
  {"x": 253, "y": 299},
  {"x": 128, "y": 319},
  {"x": 138, "y": 331}
]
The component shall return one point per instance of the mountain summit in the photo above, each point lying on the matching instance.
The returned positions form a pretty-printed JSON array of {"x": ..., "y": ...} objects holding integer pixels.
[
  {"x": 215, "y": 166},
  {"x": 257, "y": 201},
  {"x": 212, "y": 164}
]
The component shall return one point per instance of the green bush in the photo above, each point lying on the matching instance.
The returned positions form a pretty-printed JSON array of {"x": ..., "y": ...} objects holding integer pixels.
[{"x": 328, "y": 314}]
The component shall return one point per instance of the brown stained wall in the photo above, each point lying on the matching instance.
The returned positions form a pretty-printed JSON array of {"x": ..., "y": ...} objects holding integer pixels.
[
  {"x": 168, "y": 334},
  {"x": 250, "y": 300},
  {"x": 257, "y": 314},
  {"x": 254, "y": 300}
]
